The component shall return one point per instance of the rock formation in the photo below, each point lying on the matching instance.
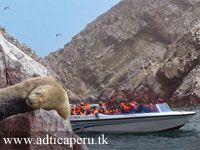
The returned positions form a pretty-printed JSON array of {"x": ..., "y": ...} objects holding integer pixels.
[
  {"x": 19, "y": 45},
  {"x": 36, "y": 124},
  {"x": 145, "y": 48},
  {"x": 137, "y": 46},
  {"x": 15, "y": 65}
]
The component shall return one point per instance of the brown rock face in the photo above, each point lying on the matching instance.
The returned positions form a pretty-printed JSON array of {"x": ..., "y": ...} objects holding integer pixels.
[
  {"x": 36, "y": 124},
  {"x": 138, "y": 45}
]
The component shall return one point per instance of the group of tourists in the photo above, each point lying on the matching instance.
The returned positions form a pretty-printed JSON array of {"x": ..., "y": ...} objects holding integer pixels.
[{"x": 111, "y": 108}]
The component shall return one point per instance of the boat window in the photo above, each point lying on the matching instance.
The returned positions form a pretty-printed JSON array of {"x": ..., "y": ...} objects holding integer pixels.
[{"x": 163, "y": 107}]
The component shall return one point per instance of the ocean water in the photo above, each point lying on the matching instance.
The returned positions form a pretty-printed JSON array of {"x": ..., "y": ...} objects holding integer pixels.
[{"x": 186, "y": 138}]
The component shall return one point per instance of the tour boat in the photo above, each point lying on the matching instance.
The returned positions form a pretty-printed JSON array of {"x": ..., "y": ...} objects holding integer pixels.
[{"x": 163, "y": 119}]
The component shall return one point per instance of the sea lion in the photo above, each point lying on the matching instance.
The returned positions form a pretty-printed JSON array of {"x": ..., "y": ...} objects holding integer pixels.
[{"x": 39, "y": 92}]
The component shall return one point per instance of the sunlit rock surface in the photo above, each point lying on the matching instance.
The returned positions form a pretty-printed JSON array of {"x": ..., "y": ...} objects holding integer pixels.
[
  {"x": 15, "y": 65},
  {"x": 145, "y": 46}
]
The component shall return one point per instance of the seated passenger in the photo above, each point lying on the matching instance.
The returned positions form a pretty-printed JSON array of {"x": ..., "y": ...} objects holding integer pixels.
[
  {"x": 118, "y": 111},
  {"x": 101, "y": 109},
  {"x": 144, "y": 108},
  {"x": 151, "y": 107},
  {"x": 82, "y": 111},
  {"x": 87, "y": 108},
  {"x": 126, "y": 108},
  {"x": 94, "y": 110},
  {"x": 73, "y": 112},
  {"x": 160, "y": 101},
  {"x": 134, "y": 106}
]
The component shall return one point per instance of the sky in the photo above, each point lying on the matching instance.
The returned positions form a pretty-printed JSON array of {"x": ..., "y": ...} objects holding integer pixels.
[{"x": 47, "y": 25}]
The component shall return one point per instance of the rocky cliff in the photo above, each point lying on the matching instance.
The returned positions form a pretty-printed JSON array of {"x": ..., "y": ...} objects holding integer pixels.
[
  {"x": 146, "y": 47},
  {"x": 16, "y": 65},
  {"x": 18, "y": 44}
]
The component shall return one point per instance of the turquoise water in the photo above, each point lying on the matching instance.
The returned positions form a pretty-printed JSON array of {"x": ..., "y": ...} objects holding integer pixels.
[{"x": 187, "y": 138}]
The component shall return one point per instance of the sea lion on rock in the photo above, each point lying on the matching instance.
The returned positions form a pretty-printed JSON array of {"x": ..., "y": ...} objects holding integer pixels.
[{"x": 39, "y": 92}]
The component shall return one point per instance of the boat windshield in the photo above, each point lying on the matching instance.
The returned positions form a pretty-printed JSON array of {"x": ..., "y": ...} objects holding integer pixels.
[{"x": 164, "y": 107}]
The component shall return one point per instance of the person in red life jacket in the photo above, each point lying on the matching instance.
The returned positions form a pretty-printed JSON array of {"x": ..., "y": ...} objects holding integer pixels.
[
  {"x": 122, "y": 105},
  {"x": 134, "y": 106},
  {"x": 78, "y": 112},
  {"x": 87, "y": 108},
  {"x": 78, "y": 109},
  {"x": 108, "y": 111},
  {"x": 111, "y": 112},
  {"x": 93, "y": 110},
  {"x": 126, "y": 107},
  {"x": 82, "y": 111},
  {"x": 101, "y": 108},
  {"x": 134, "y": 103},
  {"x": 129, "y": 106}
]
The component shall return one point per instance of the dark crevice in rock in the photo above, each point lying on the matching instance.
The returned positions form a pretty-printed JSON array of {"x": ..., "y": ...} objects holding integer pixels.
[
  {"x": 169, "y": 86},
  {"x": 7, "y": 77},
  {"x": 6, "y": 69}
]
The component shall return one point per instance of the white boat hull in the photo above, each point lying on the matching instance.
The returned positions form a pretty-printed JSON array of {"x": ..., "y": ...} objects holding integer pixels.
[{"x": 145, "y": 122}]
